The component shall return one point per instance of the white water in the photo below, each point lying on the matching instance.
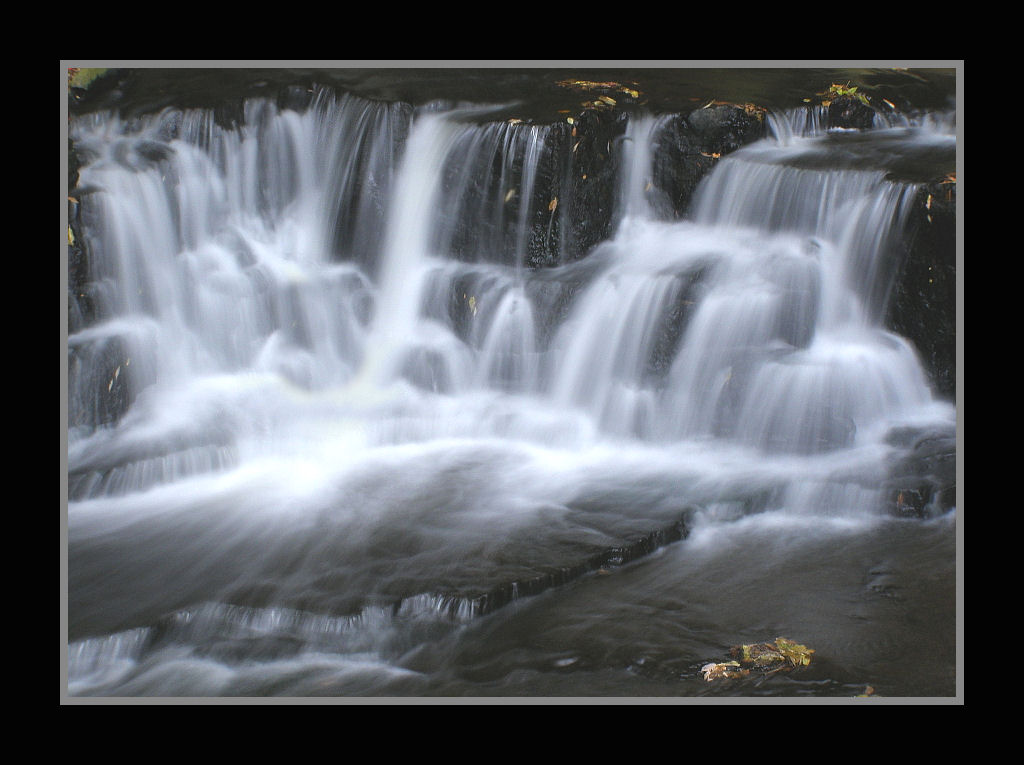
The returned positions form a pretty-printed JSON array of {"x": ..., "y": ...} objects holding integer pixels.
[{"x": 331, "y": 413}]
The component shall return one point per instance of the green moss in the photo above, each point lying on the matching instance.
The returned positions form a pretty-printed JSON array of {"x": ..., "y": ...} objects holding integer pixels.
[
  {"x": 838, "y": 91},
  {"x": 83, "y": 78}
]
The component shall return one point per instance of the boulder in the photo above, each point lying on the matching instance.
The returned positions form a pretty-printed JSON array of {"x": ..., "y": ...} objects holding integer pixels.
[
  {"x": 850, "y": 113},
  {"x": 690, "y": 145},
  {"x": 922, "y": 307},
  {"x": 922, "y": 483}
]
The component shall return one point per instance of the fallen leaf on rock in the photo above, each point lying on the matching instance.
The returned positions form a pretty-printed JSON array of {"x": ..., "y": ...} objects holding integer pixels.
[
  {"x": 586, "y": 84},
  {"x": 591, "y": 85},
  {"x": 725, "y": 669},
  {"x": 796, "y": 654},
  {"x": 783, "y": 654}
]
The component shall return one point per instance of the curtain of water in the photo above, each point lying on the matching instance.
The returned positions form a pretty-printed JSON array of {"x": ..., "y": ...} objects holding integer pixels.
[{"x": 756, "y": 321}]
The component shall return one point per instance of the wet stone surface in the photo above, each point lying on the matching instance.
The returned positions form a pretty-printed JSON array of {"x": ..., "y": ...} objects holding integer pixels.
[
  {"x": 922, "y": 484},
  {"x": 923, "y": 304}
]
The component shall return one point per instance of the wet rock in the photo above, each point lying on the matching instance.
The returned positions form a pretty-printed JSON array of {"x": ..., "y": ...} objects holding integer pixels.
[
  {"x": 81, "y": 306},
  {"x": 922, "y": 307},
  {"x": 89, "y": 87},
  {"x": 922, "y": 483},
  {"x": 690, "y": 145},
  {"x": 602, "y": 562},
  {"x": 850, "y": 113},
  {"x": 99, "y": 390},
  {"x": 585, "y": 189},
  {"x": 575, "y": 198},
  {"x": 675, "y": 322}
]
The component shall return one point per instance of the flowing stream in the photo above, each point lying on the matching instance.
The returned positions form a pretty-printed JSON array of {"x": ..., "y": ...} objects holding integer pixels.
[{"x": 369, "y": 452}]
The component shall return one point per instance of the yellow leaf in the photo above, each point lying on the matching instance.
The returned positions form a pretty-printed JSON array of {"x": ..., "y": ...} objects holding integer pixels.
[
  {"x": 607, "y": 99},
  {"x": 796, "y": 654},
  {"x": 586, "y": 84},
  {"x": 71, "y": 236},
  {"x": 553, "y": 204},
  {"x": 511, "y": 193}
]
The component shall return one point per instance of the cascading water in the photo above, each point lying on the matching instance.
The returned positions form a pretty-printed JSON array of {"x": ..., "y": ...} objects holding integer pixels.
[{"x": 356, "y": 423}]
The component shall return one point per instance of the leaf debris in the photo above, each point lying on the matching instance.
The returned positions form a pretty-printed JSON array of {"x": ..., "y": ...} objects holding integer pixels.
[
  {"x": 588, "y": 85},
  {"x": 838, "y": 91},
  {"x": 781, "y": 655},
  {"x": 725, "y": 669},
  {"x": 601, "y": 100}
]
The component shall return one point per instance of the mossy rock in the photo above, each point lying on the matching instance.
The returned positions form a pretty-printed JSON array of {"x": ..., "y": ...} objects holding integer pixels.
[{"x": 83, "y": 78}]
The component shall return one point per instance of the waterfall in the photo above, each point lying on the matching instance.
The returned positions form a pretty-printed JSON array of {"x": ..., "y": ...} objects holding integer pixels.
[{"x": 340, "y": 389}]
